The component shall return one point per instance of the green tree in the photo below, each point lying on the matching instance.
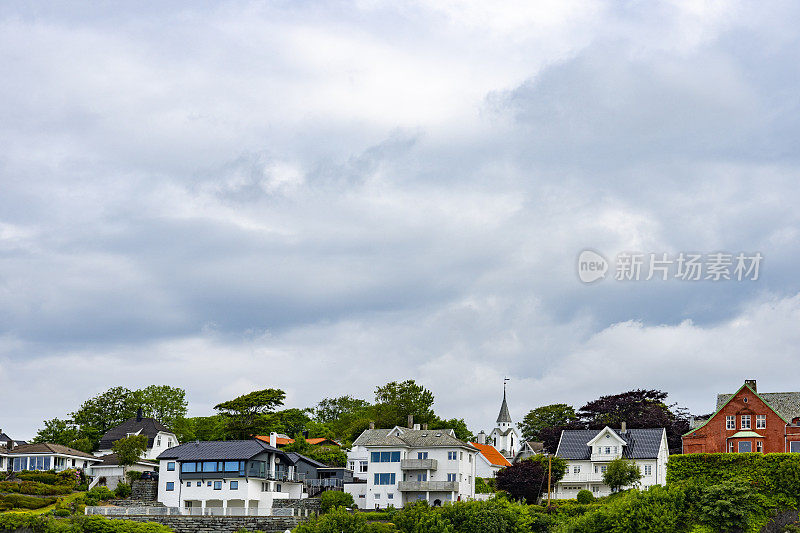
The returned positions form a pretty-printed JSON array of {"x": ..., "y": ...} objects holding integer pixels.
[
  {"x": 332, "y": 499},
  {"x": 727, "y": 506},
  {"x": 547, "y": 416},
  {"x": 333, "y": 409},
  {"x": 396, "y": 400},
  {"x": 63, "y": 432},
  {"x": 289, "y": 421},
  {"x": 130, "y": 449},
  {"x": 162, "y": 402},
  {"x": 456, "y": 424},
  {"x": 556, "y": 465},
  {"x": 97, "y": 415},
  {"x": 248, "y": 415},
  {"x": 621, "y": 473}
]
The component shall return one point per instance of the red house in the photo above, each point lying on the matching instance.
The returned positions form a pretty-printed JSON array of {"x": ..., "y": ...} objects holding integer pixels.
[{"x": 747, "y": 421}]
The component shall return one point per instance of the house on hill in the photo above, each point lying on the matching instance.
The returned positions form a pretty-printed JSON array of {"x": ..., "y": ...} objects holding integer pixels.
[
  {"x": 749, "y": 421},
  {"x": 47, "y": 456},
  {"x": 588, "y": 452},
  {"x": 488, "y": 461},
  {"x": 159, "y": 437}
]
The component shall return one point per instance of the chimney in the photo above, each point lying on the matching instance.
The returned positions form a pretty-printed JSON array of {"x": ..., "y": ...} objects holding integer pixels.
[
  {"x": 139, "y": 414},
  {"x": 416, "y": 426},
  {"x": 273, "y": 439},
  {"x": 305, "y": 435},
  {"x": 624, "y": 427},
  {"x": 752, "y": 384},
  {"x": 371, "y": 424},
  {"x": 424, "y": 426},
  {"x": 481, "y": 437},
  {"x": 410, "y": 421}
]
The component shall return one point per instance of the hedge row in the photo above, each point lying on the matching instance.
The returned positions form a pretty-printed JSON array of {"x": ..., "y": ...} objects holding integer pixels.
[
  {"x": 35, "y": 487},
  {"x": 78, "y": 524},
  {"x": 18, "y": 501},
  {"x": 774, "y": 474},
  {"x": 66, "y": 477}
]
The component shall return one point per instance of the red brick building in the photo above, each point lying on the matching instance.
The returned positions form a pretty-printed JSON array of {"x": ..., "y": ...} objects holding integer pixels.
[{"x": 747, "y": 421}]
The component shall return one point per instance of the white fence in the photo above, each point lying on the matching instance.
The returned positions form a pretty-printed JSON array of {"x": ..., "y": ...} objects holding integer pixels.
[{"x": 191, "y": 511}]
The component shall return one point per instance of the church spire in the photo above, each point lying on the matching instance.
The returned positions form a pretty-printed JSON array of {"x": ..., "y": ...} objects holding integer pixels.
[{"x": 504, "y": 416}]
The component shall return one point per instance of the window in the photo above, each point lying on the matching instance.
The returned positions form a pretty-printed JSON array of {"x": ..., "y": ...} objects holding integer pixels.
[
  {"x": 158, "y": 441},
  {"x": 170, "y": 485},
  {"x": 730, "y": 422},
  {"x": 363, "y": 466},
  {"x": 608, "y": 450},
  {"x": 385, "y": 479},
  {"x": 422, "y": 477},
  {"x": 169, "y": 443},
  {"x": 278, "y": 487},
  {"x": 794, "y": 447},
  {"x": 377, "y": 495},
  {"x": 761, "y": 421},
  {"x": 218, "y": 485},
  {"x": 451, "y": 477},
  {"x": 390, "y": 496},
  {"x": 648, "y": 470},
  {"x": 422, "y": 455},
  {"x": 208, "y": 483},
  {"x": 188, "y": 467},
  {"x": 209, "y": 466},
  {"x": 760, "y": 446},
  {"x": 452, "y": 456},
  {"x": 576, "y": 469},
  {"x": 171, "y": 466},
  {"x": 234, "y": 485},
  {"x": 20, "y": 463},
  {"x": 199, "y": 483},
  {"x": 745, "y": 422},
  {"x": 730, "y": 447},
  {"x": 603, "y": 469},
  {"x": 745, "y": 446},
  {"x": 595, "y": 488},
  {"x": 385, "y": 457}
]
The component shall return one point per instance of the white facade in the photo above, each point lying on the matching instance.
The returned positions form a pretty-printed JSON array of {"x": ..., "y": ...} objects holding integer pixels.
[
  {"x": 115, "y": 474},
  {"x": 607, "y": 445},
  {"x": 404, "y": 472},
  {"x": 161, "y": 442}
]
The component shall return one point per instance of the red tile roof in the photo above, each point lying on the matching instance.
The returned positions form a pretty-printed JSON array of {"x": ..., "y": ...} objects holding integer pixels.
[
  {"x": 491, "y": 454},
  {"x": 283, "y": 441}
]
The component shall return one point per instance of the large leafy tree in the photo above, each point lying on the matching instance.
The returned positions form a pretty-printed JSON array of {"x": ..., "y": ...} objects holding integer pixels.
[
  {"x": 638, "y": 408},
  {"x": 97, "y": 415},
  {"x": 290, "y": 421},
  {"x": 396, "y": 400},
  {"x": 331, "y": 410},
  {"x": 547, "y": 416},
  {"x": 248, "y": 415},
  {"x": 456, "y": 424},
  {"x": 63, "y": 432},
  {"x": 162, "y": 402},
  {"x": 522, "y": 481}
]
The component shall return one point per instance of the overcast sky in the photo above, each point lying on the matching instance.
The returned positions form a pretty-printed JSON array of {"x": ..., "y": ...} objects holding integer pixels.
[{"x": 327, "y": 196}]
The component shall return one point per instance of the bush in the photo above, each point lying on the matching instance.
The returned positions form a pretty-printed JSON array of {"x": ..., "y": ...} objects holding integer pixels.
[
  {"x": 336, "y": 521},
  {"x": 481, "y": 487},
  {"x": 18, "y": 501},
  {"x": 78, "y": 524},
  {"x": 123, "y": 490},
  {"x": 726, "y": 506},
  {"x": 334, "y": 498},
  {"x": 100, "y": 493},
  {"x": 34, "y": 487},
  {"x": 83, "y": 487},
  {"x": 133, "y": 475},
  {"x": 61, "y": 512},
  {"x": 585, "y": 496}
]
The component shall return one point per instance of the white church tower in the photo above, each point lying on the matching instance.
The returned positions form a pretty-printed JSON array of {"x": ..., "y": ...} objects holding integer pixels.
[{"x": 505, "y": 437}]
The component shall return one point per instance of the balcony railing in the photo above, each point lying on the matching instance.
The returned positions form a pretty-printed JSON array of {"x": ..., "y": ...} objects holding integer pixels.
[
  {"x": 605, "y": 456},
  {"x": 428, "y": 486},
  {"x": 582, "y": 478},
  {"x": 419, "y": 464}
]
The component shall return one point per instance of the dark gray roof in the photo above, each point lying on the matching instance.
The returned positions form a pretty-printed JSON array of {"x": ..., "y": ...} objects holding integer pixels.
[
  {"x": 218, "y": 450},
  {"x": 414, "y": 438},
  {"x": 141, "y": 426},
  {"x": 786, "y": 404},
  {"x": 504, "y": 415},
  {"x": 112, "y": 459},
  {"x": 641, "y": 443},
  {"x": 295, "y": 458}
]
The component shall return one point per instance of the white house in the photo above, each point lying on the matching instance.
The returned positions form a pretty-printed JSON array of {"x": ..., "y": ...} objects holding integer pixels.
[
  {"x": 505, "y": 437},
  {"x": 404, "y": 465},
  {"x": 235, "y": 477},
  {"x": 114, "y": 473},
  {"x": 488, "y": 460},
  {"x": 46, "y": 456},
  {"x": 588, "y": 452},
  {"x": 159, "y": 438}
]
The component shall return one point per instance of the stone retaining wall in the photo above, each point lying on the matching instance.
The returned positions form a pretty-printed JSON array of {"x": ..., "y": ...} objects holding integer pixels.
[
  {"x": 220, "y": 524},
  {"x": 312, "y": 505},
  {"x": 145, "y": 490}
]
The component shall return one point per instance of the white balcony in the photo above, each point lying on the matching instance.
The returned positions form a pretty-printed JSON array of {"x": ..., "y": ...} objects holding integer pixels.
[
  {"x": 419, "y": 464},
  {"x": 428, "y": 486}
]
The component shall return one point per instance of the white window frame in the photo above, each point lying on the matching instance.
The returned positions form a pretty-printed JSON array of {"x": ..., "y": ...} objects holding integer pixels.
[
  {"x": 760, "y": 446},
  {"x": 761, "y": 421},
  {"x": 730, "y": 422},
  {"x": 746, "y": 422}
]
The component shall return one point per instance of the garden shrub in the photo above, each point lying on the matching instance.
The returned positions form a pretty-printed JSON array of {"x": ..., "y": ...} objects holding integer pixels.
[
  {"x": 19, "y": 501},
  {"x": 133, "y": 475},
  {"x": 78, "y": 524},
  {"x": 585, "y": 496},
  {"x": 481, "y": 487},
  {"x": 34, "y": 487},
  {"x": 100, "y": 493},
  {"x": 337, "y": 520},
  {"x": 333, "y": 498},
  {"x": 123, "y": 490}
]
